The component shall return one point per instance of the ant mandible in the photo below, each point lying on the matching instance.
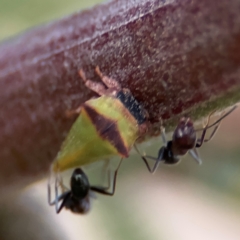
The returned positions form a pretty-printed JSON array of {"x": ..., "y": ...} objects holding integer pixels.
[
  {"x": 77, "y": 199},
  {"x": 184, "y": 140}
]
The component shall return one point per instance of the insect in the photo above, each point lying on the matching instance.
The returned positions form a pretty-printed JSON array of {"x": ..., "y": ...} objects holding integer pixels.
[
  {"x": 106, "y": 126},
  {"x": 77, "y": 199},
  {"x": 184, "y": 140}
]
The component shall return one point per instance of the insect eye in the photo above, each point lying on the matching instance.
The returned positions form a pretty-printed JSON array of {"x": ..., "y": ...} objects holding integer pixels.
[{"x": 79, "y": 184}]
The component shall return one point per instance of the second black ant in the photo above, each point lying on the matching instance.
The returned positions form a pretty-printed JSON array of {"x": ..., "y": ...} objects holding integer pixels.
[
  {"x": 184, "y": 140},
  {"x": 77, "y": 199}
]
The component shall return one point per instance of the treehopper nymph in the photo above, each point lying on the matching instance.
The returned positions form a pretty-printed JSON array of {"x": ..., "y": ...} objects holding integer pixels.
[{"x": 107, "y": 126}]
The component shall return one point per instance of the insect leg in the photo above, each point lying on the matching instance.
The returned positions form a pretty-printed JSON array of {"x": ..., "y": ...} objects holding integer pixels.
[
  {"x": 56, "y": 196},
  {"x": 98, "y": 88},
  {"x": 221, "y": 118},
  {"x": 143, "y": 158},
  {"x": 104, "y": 190},
  {"x": 210, "y": 137},
  {"x": 65, "y": 196},
  {"x": 202, "y": 138},
  {"x": 106, "y": 164},
  {"x": 158, "y": 159},
  {"x": 50, "y": 202},
  {"x": 62, "y": 196},
  {"x": 193, "y": 152},
  {"x": 109, "y": 82},
  {"x": 105, "y": 168},
  {"x": 216, "y": 124},
  {"x": 163, "y": 135}
]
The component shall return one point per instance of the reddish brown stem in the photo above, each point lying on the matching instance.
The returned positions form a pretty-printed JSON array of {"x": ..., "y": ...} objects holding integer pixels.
[{"x": 173, "y": 55}]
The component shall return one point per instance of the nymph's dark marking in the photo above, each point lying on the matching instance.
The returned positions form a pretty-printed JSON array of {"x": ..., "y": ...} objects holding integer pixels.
[
  {"x": 77, "y": 199},
  {"x": 107, "y": 129},
  {"x": 132, "y": 105},
  {"x": 184, "y": 140}
]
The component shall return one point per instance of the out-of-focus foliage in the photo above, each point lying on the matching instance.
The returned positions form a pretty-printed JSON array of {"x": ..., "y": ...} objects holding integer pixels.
[{"x": 19, "y": 15}]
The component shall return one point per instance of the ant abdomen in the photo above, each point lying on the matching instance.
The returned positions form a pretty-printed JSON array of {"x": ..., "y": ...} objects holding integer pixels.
[
  {"x": 79, "y": 184},
  {"x": 184, "y": 137}
]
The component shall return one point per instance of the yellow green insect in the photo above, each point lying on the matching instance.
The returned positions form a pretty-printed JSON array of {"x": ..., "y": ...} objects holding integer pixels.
[{"x": 107, "y": 126}]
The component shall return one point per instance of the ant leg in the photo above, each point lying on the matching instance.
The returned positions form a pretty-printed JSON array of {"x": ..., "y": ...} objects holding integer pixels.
[
  {"x": 158, "y": 159},
  {"x": 160, "y": 153},
  {"x": 164, "y": 139},
  {"x": 147, "y": 164},
  {"x": 163, "y": 134},
  {"x": 56, "y": 196},
  {"x": 106, "y": 164},
  {"x": 221, "y": 118},
  {"x": 98, "y": 88},
  {"x": 63, "y": 187},
  {"x": 49, "y": 191},
  {"x": 105, "y": 168},
  {"x": 104, "y": 190},
  {"x": 202, "y": 139},
  {"x": 193, "y": 152},
  {"x": 143, "y": 158},
  {"x": 217, "y": 123},
  {"x": 213, "y": 133},
  {"x": 206, "y": 127},
  {"x": 50, "y": 202},
  {"x": 109, "y": 82},
  {"x": 65, "y": 196}
]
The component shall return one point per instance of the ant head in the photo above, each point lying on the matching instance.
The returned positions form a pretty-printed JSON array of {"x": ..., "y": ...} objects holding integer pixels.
[
  {"x": 184, "y": 136},
  {"x": 79, "y": 184}
]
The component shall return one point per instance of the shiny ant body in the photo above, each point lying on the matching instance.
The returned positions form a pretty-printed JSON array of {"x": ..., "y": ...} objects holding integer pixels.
[
  {"x": 184, "y": 140},
  {"x": 77, "y": 199}
]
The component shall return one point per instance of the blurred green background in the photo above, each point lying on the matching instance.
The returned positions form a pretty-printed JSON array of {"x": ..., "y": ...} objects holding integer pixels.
[
  {"x": 19, "y": 15},
  {"x": 182, "y": 202}
]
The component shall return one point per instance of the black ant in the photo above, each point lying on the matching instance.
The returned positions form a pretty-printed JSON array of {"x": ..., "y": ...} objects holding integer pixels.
[
  {"x": 184, "y": 140},
  {"x": 77, "y": 199}
]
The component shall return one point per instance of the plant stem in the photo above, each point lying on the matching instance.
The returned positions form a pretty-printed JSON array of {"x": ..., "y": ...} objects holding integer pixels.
[{"x": 176, "y": 57}]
